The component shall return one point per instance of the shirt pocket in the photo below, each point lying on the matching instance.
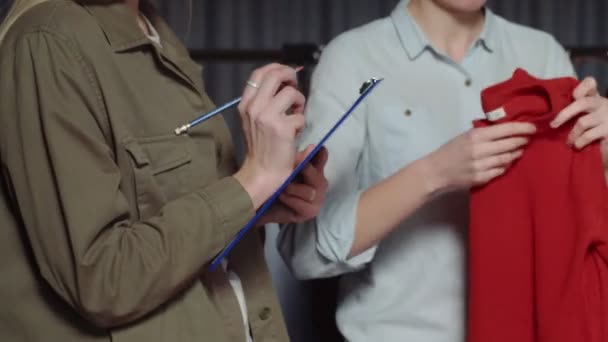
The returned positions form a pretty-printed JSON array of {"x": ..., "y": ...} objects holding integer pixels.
[
  {"x": 398, "y": 135},
  {"x": 167, "y": 167}
]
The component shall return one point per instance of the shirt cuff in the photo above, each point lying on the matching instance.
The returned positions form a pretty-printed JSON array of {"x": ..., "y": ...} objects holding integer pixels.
[
  {"x": 336, "y": 232},
  {"x": 231, "y": 203}
]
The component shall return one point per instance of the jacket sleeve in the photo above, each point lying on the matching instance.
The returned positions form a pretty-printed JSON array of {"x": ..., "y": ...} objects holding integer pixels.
[
  {"x": 320, "y": 248},
  {"x": 65, "y": 181}
]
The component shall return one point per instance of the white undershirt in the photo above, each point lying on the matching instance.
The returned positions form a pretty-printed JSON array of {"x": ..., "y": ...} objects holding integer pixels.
[
  {"x": 233, "y": 278},
  {"x": 153, "y": 34},
  {"x": 237, "y": 286}
]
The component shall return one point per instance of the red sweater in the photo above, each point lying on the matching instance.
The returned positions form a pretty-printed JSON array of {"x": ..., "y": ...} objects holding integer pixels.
[{"x": 538, "y": 235}]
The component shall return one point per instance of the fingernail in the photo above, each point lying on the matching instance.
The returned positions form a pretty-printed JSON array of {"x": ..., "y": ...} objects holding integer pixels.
[{"x": 313, "y": 195}]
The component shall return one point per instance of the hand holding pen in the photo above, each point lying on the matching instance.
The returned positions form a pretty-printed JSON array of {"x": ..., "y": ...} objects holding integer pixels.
[
  {"x": 270, "y": 132},
  {"x": 199, "y": 120}
]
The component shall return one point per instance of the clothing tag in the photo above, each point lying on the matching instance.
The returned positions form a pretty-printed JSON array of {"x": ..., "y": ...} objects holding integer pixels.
[{"x": 496, "y": 114}]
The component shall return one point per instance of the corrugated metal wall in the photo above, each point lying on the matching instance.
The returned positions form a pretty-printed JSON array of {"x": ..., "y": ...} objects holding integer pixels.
[{"x": 270, "y": 23}]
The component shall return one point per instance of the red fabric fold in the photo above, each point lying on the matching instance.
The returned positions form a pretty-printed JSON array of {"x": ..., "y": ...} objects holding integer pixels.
[{"x": 538, "y": 242}]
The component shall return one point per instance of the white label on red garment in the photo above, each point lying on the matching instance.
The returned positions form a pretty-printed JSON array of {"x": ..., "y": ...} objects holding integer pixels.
[{"x": 496, "y": 114}]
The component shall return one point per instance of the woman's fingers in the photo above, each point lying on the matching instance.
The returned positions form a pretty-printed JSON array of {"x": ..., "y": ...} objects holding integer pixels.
[
  {"x": 287, "y": 98},
  {"x": 590, "y": 136},
  {"x": 488, "y": 175},
  {"x": 248, "y": 94},
  {"x": 496, "y": 161},
  {"x": 501, "y": 131},
  {"x": 583, "y": 124},
  {"x": 492, "y": 148},
  {"x": 302, "y": 191},
  {"x": 271, "y": 82},
  {"x": 587, "y": 87},
  {"x": 256, "y": 79},
  {"x": 583, "y": 105}
]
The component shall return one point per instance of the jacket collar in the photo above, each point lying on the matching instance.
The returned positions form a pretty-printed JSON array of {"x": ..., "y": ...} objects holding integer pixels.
[{"x": 118, "y": 23}]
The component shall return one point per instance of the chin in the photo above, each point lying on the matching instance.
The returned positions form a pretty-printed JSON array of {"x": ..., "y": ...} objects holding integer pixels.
[{"x": 462, "y": 6}]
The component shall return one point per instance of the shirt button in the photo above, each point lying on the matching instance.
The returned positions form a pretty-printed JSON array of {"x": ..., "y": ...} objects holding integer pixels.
[
  {"x": 468, "y": 82},
  {"x": 408, "y": 112},
  {"x": 265, "y": 314}
]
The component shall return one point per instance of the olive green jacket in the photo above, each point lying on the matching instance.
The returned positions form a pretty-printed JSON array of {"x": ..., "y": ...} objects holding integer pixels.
[{"x": 107, "y": 219}]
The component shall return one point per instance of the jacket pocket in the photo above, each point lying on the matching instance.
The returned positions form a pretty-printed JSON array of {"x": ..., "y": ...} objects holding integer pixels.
[{"x": 163, "y": 170}]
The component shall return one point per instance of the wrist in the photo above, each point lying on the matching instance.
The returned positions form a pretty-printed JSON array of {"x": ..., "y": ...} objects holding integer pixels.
[
  {"x": 432, "y": 180},
  {"x": 258, "y": 183}
]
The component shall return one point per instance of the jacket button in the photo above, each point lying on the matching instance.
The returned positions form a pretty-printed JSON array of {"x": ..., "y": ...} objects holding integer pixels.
[
  {"x": 265, "y": 314},
  {"x": 408, "y": 112},
  {"x": 468, "y": 82}
]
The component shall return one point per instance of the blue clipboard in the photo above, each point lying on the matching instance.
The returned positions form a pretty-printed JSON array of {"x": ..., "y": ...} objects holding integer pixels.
[{"x": 365, "y": 90}]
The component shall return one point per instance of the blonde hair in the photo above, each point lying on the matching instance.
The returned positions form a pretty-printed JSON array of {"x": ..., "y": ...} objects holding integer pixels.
[{"x": 17, "y": 9}]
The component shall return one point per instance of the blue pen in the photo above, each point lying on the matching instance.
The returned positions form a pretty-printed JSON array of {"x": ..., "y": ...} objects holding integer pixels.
[
  {"x": 183, "y": 129},
  {"x": 365, "y": 90}
]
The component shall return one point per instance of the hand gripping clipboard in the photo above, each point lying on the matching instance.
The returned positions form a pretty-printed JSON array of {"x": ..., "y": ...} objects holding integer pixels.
[{"x": 365, "y": 90}]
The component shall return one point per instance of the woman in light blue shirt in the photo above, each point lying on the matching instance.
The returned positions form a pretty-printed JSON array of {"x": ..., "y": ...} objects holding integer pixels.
[{"x": 395, "y": 220}]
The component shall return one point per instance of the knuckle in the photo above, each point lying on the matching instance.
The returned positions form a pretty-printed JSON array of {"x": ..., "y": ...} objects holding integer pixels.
[
  {"x": 476, "y": 167},
  {"x": 301, "y": 99},
  {"x": 255, "y": 111},
  {"x": 475, "y": 152},
  {"x": 590, "y": 136},
  {"x": 275, "y": 65},
  {"x": 257, "y": 74},
  {"x": 583, "y": 123},
  {"x": 473, "y": 136},
  {"x": 290, "y": 92},
  {"x": 274, "y": 75}
]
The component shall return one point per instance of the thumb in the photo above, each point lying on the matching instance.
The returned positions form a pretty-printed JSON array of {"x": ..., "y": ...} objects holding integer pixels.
[{"x": 304, "y": 153}]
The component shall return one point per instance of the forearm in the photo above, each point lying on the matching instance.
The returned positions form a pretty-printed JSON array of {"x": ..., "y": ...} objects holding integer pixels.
[
  {"x": 383, "y": 206},
  {"x": 118, "y": 273}
]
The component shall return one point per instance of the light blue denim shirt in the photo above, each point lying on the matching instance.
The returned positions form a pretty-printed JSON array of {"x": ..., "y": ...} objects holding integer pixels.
[{"x": 410, "y": 287}]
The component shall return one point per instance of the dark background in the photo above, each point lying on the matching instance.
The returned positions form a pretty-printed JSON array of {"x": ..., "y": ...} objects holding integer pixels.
[{"x": 267, "y": 25}]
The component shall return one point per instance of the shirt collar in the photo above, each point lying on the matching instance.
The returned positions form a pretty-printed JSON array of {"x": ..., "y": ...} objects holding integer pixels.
[
  {"x": 487, "y": 36},
  {"x": 415, "y": 42}
]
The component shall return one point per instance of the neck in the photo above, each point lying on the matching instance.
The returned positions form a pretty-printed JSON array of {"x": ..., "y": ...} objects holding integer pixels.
[
  {"x": 133, "y": 4},
  {"x": 450, "y": 32}
]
